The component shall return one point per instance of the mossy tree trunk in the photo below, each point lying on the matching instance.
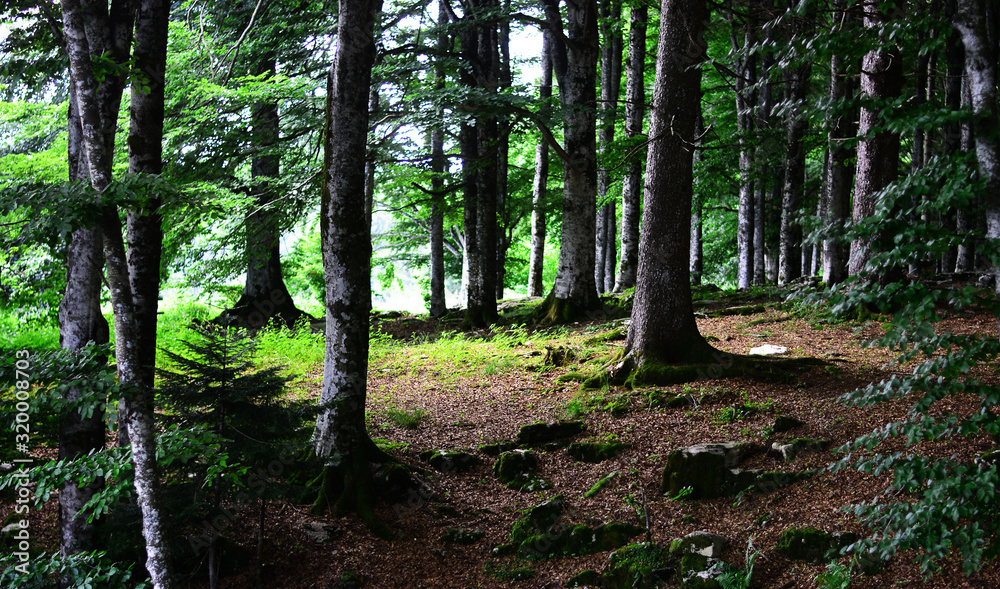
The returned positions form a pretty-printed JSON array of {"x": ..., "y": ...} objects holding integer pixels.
[
  {"x": 663, "y": 328},
  {"x": 341, "y": 437}
]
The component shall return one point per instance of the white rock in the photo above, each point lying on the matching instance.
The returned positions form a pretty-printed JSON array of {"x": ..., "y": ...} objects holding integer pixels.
[{"x": 768, "y": 350}]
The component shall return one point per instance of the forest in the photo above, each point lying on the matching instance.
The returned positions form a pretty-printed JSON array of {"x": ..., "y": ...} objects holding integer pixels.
[{"x": 499, "y": 293}]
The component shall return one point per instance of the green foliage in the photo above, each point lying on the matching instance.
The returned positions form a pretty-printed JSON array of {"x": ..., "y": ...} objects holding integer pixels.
[
  {"x": 836, "y": 576},
  {"x": 406, "y": 418},
  {"x": 88, "y": 570}
]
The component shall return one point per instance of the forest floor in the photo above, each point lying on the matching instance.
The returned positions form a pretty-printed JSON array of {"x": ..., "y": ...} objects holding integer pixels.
[{"x": 430, "y": 388}]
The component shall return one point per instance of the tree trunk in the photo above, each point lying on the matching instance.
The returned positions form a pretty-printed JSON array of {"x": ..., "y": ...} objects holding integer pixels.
[
  {"x": 539, "y": 190},
  {"x": 790, "y": 256},
  {"x": 747, "y": 70},
  {"x": 981, "y": 73},
  {"x": 635, "y": 109},
  {"x": 878, "y": 155},
  {"x": 540, "y": 184},
  {"x": 611, "y": 76},
  {"x": 265, "y": 296},
  {"x": 663, "y": 329},
  {"x": 80, "y": 322},
  {"x": 763, "y": 155},
  {"x": 439, "y": 170},
  {"x": 575, "y": 66},
  {"x": 479, "y": 45},
  {"x": 506, "y": 214},
  {"x": 965, "y": 259},
  {"x": 341, "y": 437},
  {"x": 840, "y": 172}
]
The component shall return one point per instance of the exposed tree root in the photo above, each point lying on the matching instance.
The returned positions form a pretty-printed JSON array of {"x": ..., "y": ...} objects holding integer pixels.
[
  {"x": 348, "y": 487},
  {"x": 554, "y": 311},
  {"x": 626, "y": 371}
]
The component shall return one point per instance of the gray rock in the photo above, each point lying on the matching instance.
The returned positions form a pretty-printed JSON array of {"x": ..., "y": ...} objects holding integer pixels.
[
  {"x": 703, "y": 543},
  {"x": 539, "y": 433},
  {"x": 783, "y": 423},
  {"x": 768, "y": 350},
  {"x": 321, "y": 533}
]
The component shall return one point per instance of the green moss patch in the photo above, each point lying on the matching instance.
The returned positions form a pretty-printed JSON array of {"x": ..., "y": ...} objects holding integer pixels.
[{"x": 594, "y": 453}]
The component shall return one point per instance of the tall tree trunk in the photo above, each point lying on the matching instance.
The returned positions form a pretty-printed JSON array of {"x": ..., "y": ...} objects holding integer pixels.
[
  {"x": 697, "y": 263},
  {"x": 965, "y": 259},
  {"x": 575, "y": 66},
  {"x": 763, "y": 155},
  {"x": 981, "y": 73},
  {"x": 611, "y": 76},
  {"x": 102, "y": 30},
  {"x": 840, "y": 172},
  {"x": 341, "y": 437},
  {"x": 745, "y": 80},
  {"x": 878, "y": 154},
  {"x": 506, "y": 214},
  {"x": 539, "y": 190},
  {"x": 635, "y": 109},
  {"x": 790, "y": 256},
  {"x": 480, "y": 48},
  {"x": 80, "y": 322},
  {"x": 663, "y": 329},
  {"x": 439, "y": 170}
]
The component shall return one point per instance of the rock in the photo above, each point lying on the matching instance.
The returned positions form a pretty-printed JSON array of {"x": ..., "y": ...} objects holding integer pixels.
[
  {"x": 450, "y": 461},
  {"x": 539, "y": 433},
  {"x": 702, "y": 467},
  {"x": 638, "y": 566},
  {"x": 793, "y": 448},
  {"x": 321, "y": 533},
  {"x": 768, "y": 350},
  {"x": 600, "y": 484},
  {"x": 496, "y": 448},
  {"x": 447, "y": 511},
  {"x": 558, "y": 356},
  {"x": 705, "y": 471},
  {"x": 584, "y": 578},
  {"x": 393, "y": 481},
  {"x": 578, "y": 540},
  {"x": 587, "y": 452},
  {"x": 504, "y": 550},
  {"x": 510, "y": 465},
  {"x": 528, "y": 483},
  {"x": 346, "y": 580},
  {"x": 703, "y": 543},
  {"x": 464, "y": 537},
  {"x": 539, "y": 519},
  {"x": 701, "y": 572},
  {"x": 783, "y": 423},
  {"x": 812, "y": 545},
  {"x": 741, "y": 311}
]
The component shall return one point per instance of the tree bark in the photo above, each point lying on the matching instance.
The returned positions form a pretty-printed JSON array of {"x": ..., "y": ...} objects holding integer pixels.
[
  {"x": 790, "y": 255},
  {"x": 539, "y": 192},
  {"x": 840, "y": 172},
  {"x": 439, "y": 170},
  {"x": 965, "y": 259},
  {"x": 663, "y": 328},
  {"x": 635, "y": 109},
  {"x": 763, "y": 155},
  {"x": 981, "y": 73},
  {"x": 507, "y": 216},
  {"x": 611, "y": 76},
  {"x": 575, "y": 66},
  {"x": 745, "y": 80},
  {"x": 878, "y": 155},
  {"x": 341, "y": 437}
]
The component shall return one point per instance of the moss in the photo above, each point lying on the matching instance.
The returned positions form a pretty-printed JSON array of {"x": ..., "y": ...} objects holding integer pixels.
[
  {"x": 511, "y": 465},
  {"x": 450, "y": 461},
  {"x": 600, "y": 485},
  {"x": 608, "y": 336},
  {"x": 638, "y": 566},
  {"x": 573, "y": 377},
  {"x": 812, "y": 545},
  {"x": 584, "y": 578},
  {"x": 741, "y": 311},
  {"x": 654, "y": 374},
  {"x": 348, "y": 487},
  {"x": 783, "y": 423},
  {"x": 461, "y": 536},
  {"x": 496, "y": 448},
  {"x": 593, "y": 453},
  {"x": 539, "y": 433}
]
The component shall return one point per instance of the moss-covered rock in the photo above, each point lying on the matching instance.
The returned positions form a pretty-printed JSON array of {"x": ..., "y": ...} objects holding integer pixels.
[
  {"x": 578, "y": 540},
  {"x": 450, "y": 461},
  {"x": 789, "y": 450},
  {"x": 558, "y": 356},
  {"x": 539, "y": 433},
  {"x": 584, "y": 578},
  {"x": 514, "y": 464},
  {"x": 572, "y": 377},
  {"x": 812, "y": 545},
  {"x": 741, "y": 311},
  {"x": 601, "y": 484},
  {"x": 638, "y": 566},
  {"x": 590, "y": 452},
  {"x": 704, "y": 468},
  {"x": 461, "y": 536},
  {"x": 496, "y": 448},
  {"x": 701, "y": 543},
  {"x": 539, "y": 519}
]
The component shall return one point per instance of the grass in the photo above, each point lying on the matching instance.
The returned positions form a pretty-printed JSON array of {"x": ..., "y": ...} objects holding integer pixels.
[
  {"x": 18, "y": 333},
  {"x": 406, "y": 418}
]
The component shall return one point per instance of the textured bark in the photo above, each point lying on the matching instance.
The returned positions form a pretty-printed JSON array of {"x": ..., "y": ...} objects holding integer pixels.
[
  {"x": 341, "y": 437},
  {"x": 878, "y": 155},
  {"x": 539, "y": 192},
  {"x": 981, "y": 73},
  {"x": 840, "y": 171},
  {"x": 575, "y": 66},
  {"x": 479, "y": 47},
  {"x": 790, "y": 255},
  {"x": 965, "y": 259},
  {"x": 509, "y": 218},
  {"x": 764, "y": 152},
  {"x": 635, "y": 109},
  {"x": 747, "y": 70},
  {"x": 663, "y": 329},
  {"x": 439, "y": 169},
  {"x": 611, "y": 76},
  {"x": 80, "y": 322}
]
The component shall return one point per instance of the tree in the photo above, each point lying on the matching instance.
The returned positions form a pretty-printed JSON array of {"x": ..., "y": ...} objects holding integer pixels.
[
  {"x": 663, "y": 328},
  {"x": 575, "y": 53},
  {"x": 790, "y": 264},
  {"x": 341, "y": 438},
  {"x": 635, "y": 109},
  {"x": 611, "y": 81},
  {"x": 746, "y": 73},
  {"x": 878, "y": 152},
  {"x": 539, "y": 191}
]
